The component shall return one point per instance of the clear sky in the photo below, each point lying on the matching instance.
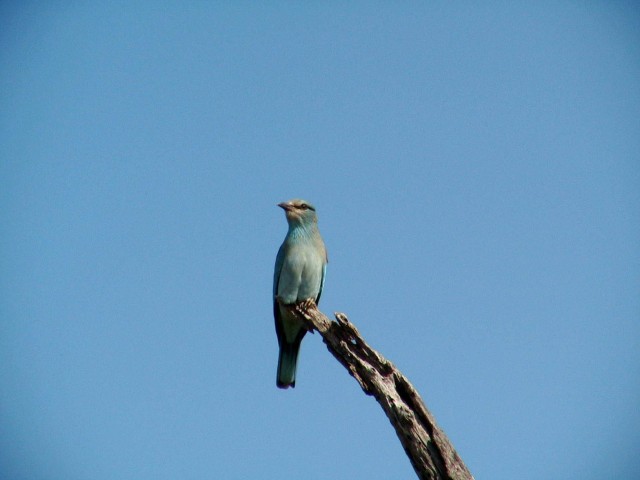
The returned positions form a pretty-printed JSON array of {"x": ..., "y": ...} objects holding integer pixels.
[{"x": 476, "y": 171}]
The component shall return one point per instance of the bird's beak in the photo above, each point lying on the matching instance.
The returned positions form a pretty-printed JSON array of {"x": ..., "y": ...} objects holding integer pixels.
[{"x": 286, "y": 206}]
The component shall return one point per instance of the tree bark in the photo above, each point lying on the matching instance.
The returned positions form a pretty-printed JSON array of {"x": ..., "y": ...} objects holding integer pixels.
[{"x": 428, "y": 448}]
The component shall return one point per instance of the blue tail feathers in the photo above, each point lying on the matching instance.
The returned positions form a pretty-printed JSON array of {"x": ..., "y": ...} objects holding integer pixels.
[{"x": 287, "y": 363}]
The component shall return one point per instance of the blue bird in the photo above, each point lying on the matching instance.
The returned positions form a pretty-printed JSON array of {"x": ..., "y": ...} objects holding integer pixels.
[{"x": 299, "y": 274}]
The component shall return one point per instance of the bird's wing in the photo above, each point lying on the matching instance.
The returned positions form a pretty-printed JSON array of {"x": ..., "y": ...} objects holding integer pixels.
[
  {"x": 277, "y": 269},
  {"x": 324, "y": 272},
  {"x": 276, "y": 280}
]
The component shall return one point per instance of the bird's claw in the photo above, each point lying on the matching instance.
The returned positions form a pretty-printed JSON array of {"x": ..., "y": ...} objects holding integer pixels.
[{"x": 308, "y": 303}]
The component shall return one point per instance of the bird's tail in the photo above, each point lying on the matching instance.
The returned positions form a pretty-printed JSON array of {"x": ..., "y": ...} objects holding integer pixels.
[{"x": 287, "y": 362}]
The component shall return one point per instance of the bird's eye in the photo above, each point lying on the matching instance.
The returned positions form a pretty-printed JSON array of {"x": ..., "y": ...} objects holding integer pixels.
[{"x": 304, "y": 206}]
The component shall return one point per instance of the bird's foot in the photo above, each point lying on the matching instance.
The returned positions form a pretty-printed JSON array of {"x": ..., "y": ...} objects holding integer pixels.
[
  {"x": 307, "y": 304},
  {"x": 303, "y": 308}
]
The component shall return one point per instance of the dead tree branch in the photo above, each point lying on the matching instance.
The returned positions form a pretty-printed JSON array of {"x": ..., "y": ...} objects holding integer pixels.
[{"x": 430, "y": 451}]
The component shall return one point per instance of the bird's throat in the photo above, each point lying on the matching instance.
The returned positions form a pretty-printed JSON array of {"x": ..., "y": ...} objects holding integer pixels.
[{"x": 301, "y": 231}]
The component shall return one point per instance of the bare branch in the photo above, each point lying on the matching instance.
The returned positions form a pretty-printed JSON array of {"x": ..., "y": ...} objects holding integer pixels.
[{"x": 430, "y": 451}]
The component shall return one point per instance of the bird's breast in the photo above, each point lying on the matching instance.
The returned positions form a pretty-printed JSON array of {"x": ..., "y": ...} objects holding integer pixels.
[{"x": 301, "y": 274}]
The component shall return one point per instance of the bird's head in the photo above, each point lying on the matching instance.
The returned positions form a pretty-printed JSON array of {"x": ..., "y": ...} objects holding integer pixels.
[{"x": 299, "y": 212}]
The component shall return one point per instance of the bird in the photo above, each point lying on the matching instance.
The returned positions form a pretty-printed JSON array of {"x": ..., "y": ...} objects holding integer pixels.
[{"x": 299, "y": 274}]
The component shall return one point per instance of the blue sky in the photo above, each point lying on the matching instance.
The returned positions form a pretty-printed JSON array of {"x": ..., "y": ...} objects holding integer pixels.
[{"x": 476, "y": 170}]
